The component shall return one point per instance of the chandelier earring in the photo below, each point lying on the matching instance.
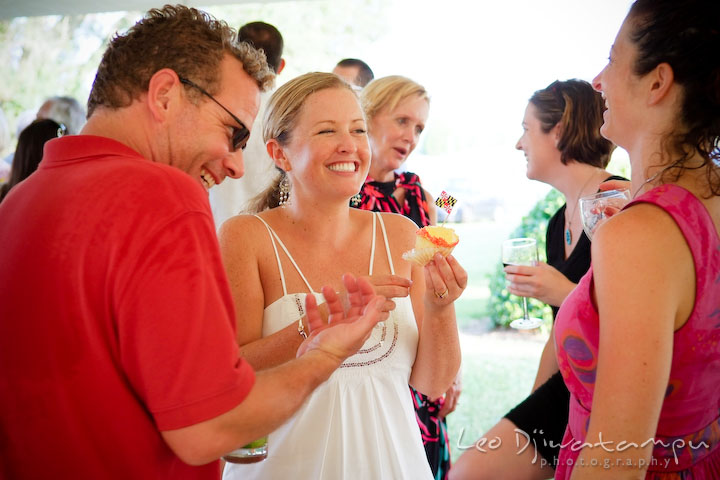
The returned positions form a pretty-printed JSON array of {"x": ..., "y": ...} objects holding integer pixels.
[{"x": 284, "y": 187}]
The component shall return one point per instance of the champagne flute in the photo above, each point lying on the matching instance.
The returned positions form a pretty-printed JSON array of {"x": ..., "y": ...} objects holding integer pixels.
[{"x": 521, "y": 251}]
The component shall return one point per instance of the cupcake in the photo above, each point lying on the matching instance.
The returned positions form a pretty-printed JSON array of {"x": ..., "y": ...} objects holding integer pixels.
[{"x": 430, "y": 240}]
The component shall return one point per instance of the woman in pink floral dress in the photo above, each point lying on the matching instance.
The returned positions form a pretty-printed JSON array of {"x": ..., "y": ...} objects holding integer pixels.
[{"x": 638, "y": 340}]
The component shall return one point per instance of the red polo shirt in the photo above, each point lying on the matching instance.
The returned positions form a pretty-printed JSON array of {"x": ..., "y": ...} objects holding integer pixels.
[{"x": 116, "y": 320}]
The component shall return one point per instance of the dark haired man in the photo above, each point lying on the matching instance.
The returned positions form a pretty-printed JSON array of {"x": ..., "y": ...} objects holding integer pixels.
[
  {"x": 65, "y": 110},
  {"x": 354, "y": 71},
  {"x": 267, "y": 38},
  {"x": 117, "y": 331}
]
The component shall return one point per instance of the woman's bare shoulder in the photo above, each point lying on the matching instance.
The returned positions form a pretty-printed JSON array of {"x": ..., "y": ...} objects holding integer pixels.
[
  {"x": 400, "y": 230},
  {"x": 399, "y": 224},
  {"x": 638, "y": 224},
  {"x": 241, "y": 227},
  {"x": 644, "y": 234}
]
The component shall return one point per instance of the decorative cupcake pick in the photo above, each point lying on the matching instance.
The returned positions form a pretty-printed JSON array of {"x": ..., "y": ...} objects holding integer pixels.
[
  {"x": 446, "y": 202},
  {"x": 431, "y": 240}
]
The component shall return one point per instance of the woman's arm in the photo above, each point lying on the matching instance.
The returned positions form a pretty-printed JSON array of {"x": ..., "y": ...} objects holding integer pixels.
[
  {"x": 644, "y": 285},
  {"x": 452, "y": 396},
  {"x": 242, "y": 240},
  {"x": 438, "y": 353}
]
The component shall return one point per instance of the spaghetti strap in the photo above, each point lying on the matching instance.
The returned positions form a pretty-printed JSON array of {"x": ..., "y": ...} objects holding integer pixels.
[
  {"x": 372, "y": 245},
  {"x": 387, "y": 247},
  {"x": 292, "y": 260},
  {"x": 277, "y": 256}
]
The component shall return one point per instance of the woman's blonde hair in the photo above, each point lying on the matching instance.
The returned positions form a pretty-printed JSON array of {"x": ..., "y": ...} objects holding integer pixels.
[
  {"x": 285, "y": 104},
  {"x": 281, "y": 117},
  {"x": 389, "y": 92}
]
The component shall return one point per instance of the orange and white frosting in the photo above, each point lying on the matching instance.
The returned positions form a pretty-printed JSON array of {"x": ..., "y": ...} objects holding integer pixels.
[{"x": 436, "y": 237}]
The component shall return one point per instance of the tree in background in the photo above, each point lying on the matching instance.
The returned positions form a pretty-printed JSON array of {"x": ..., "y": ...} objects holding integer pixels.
[{"x": 48, "y": 56}]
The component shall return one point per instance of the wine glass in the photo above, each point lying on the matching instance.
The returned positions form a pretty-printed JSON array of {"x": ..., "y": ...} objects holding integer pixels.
[
  {"x": 598, "y": 207},
  {"x": 521, "y": 251}
]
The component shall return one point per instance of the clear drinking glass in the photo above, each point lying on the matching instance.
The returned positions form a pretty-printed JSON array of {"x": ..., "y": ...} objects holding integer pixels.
[
  {"x": 598, "y": 207},
  {"x": 251, "y": 453},
  {"x": 521, "y": 251}
]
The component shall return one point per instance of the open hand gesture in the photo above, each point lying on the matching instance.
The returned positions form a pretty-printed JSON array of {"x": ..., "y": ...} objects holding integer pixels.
[{"x": 346, "y": 331}]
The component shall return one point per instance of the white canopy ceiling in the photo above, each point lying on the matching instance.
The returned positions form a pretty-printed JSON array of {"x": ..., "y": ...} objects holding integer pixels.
[{"x": 29, "y": 8}]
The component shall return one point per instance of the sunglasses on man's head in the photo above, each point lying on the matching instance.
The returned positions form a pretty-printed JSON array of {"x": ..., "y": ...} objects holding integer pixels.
[{"x": 240, "y": 134}]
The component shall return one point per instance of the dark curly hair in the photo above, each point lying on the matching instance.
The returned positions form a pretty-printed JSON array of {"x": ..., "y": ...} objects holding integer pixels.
[
  {"x": 187, "y": 40},
  {"x": 685, "y": 35},
  {"x": 578, "y": 109}
]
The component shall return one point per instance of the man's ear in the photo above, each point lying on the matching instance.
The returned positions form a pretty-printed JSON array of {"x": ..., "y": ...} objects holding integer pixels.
[
  {"x": 277, "y": 153},
  {"x": 163, "y": 91},
  {"x": 281, "y": 66},
  {"x": 662, "y": 78}
]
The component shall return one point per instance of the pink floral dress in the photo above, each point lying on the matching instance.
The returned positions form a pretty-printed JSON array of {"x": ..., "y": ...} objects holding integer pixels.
[{"x": 688, "y": 433}]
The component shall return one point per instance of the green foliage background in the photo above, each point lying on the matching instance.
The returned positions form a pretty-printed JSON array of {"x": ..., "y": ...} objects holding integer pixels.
[{"x": 502, "y": 306}]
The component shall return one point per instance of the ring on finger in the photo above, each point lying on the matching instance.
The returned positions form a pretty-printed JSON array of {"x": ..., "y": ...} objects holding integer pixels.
[{"x": 442, "y": 295}]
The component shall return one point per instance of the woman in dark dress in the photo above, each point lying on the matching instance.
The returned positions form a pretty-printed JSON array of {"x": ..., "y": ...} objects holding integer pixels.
[
  {"x": 397, "y": 109},
  {"x": 563, "y": 147}
]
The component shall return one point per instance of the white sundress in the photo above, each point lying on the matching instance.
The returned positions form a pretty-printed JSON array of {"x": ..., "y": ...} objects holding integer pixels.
[{"x": 360, "y": 424}]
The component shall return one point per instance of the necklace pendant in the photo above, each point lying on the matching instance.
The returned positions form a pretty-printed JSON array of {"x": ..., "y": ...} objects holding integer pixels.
[{"x": 568, "y": 236}]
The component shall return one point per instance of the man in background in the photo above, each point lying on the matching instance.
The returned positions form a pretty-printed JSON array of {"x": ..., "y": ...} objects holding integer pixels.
[
  {"x": 61, "y": 109},
  {"x": 65, "y": 110},
  {"x": 231, "y": 197},
  {"x": 354, "y": 71}
]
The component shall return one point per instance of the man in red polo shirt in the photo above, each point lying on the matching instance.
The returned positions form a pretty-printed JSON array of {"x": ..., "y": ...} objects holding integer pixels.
[{"x": 117, "y": 344}]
